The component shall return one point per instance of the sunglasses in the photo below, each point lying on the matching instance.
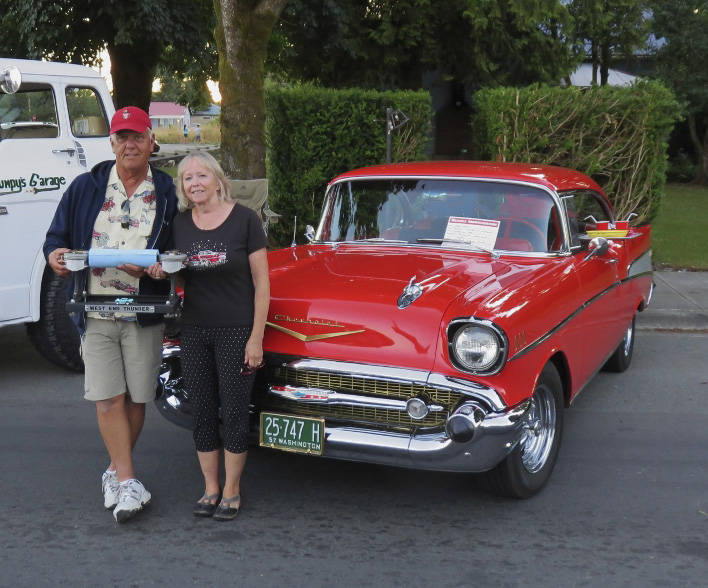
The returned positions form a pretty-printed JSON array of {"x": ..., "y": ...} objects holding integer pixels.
[
  {"x": 247, "y": 370},
  {"x": 125, "y": 219}
]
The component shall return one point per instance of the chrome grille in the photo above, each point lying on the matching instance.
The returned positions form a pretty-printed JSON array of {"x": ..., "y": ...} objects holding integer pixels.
[{"x": 384, "y": 418}]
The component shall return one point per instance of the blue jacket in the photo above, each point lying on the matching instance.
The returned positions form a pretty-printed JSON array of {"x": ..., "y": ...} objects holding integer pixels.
[{"x": 72, "y": 226}]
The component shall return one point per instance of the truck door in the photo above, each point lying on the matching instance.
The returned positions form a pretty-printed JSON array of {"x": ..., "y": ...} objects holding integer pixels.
[{"x": 43, "y": 147}]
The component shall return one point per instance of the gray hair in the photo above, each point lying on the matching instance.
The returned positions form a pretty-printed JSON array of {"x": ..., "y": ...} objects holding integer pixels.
[{"x": 208, "y": 161}]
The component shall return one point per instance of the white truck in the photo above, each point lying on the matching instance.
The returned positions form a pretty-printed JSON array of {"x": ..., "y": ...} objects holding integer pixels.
[{"x": 54, "y": 122}]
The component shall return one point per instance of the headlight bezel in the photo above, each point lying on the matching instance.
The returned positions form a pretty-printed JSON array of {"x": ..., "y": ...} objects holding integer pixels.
[{"x": 457, "y": 325}]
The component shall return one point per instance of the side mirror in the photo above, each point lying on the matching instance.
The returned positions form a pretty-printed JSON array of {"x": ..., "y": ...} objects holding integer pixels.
[
  {"x": 310, "y": 233},
  {"x": 10, "y": 80},
  {"x": 597, "y": 247}
]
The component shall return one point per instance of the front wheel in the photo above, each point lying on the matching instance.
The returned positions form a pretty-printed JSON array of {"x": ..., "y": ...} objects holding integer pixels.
[{"x": 528, "y": 467}]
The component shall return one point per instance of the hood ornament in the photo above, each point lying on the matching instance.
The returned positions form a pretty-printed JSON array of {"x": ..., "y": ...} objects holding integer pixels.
[{"x": 410, "y": 293}]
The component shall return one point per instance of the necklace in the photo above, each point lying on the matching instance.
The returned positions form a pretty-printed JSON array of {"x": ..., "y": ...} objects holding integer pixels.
[{"x": 212, "y": 219}]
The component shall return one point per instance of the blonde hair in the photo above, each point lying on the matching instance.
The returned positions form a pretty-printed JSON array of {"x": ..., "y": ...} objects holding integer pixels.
[{"x": 213, "y": 166}]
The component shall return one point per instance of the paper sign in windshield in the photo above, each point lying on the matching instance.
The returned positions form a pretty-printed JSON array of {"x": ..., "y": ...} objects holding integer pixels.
[{"x": 481, "y": 232}]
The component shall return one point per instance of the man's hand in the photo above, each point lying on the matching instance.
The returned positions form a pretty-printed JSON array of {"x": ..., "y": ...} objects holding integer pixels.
[
  {"x": 132, "y": 270},
  {"x": 57, "y": 263}
]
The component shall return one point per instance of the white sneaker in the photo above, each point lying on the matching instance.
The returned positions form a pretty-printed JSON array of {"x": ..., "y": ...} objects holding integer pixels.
[
  {"x": 110, "y": 487},
  {"x": 132, "y": 498}
]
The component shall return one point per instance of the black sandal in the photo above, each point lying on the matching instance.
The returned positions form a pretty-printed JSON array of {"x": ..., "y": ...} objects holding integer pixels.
[
  {"x": 225, "y": 511},
  {"x": 206, "y": 505}
]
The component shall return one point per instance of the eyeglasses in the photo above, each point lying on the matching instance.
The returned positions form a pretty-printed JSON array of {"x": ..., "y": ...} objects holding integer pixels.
[
  {"x": 140, "y": 138},
  {"x": 125, "y": 219},
  {"x": 247, "y": 370}
]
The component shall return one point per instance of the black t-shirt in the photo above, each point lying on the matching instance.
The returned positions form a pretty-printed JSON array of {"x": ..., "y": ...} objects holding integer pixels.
[{"x": 218, "y": 286}]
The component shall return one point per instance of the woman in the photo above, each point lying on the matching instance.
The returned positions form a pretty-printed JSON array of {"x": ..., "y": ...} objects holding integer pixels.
[{"x": 226, "y": 296}]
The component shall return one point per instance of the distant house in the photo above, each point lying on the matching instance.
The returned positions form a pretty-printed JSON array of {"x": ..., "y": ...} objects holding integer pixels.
[
  {"x": 582, "y": 77},
  {"x": 202, "y": 116},
  {"x": 169, "y": 114}
]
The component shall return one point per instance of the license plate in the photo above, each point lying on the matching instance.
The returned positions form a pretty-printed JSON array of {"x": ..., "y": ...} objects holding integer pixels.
[
  {"x": 118, "y": 308},
  {"x": 292, "y": 433}
]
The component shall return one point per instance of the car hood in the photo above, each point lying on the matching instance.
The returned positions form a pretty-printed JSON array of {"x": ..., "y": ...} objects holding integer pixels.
[{"x": 341, "y": 302}]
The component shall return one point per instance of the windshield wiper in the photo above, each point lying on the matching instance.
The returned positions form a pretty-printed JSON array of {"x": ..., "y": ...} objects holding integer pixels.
[
  {"x": 457, "y": 242},
  {"x": 382, "y": 240}
]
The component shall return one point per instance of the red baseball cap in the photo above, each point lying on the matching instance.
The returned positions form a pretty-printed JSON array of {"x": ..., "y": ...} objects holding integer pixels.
[{"x": 130, "y": 118}]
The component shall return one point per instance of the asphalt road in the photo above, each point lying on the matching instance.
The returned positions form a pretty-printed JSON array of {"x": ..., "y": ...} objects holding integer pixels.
[{"x": 626, "y": 506}]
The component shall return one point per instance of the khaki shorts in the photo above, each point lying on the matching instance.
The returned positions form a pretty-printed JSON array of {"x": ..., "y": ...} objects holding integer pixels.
[{"x": 121, "y": 357}]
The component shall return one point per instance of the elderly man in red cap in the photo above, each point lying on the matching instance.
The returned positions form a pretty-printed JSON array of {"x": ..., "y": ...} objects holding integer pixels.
[{"x": 121, "y": 204}]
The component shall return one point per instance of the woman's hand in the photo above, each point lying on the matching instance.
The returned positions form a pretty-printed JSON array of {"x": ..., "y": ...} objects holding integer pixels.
[
  {"x": 254, "y": 353},
  {"x": 155, "y": 271},
  {"x": 132, "y": 270}
]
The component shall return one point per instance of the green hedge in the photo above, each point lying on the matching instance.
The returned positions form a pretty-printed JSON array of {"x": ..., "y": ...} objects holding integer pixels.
[
  {"x": 314, "y": 134},
  {"x": 617, "y": 135}
]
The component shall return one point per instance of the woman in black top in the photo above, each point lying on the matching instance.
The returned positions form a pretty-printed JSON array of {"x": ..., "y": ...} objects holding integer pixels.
[{"x": 226, "y": 297}]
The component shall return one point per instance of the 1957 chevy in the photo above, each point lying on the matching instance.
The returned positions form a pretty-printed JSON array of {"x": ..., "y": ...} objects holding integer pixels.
[{"x": 442, "y": 317}]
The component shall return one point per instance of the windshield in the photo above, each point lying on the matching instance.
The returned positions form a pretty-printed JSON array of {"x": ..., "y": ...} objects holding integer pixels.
[{"x": 488, "y": 215}]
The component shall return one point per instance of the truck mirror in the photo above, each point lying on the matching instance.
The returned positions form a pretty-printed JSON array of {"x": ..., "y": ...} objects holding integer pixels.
[{"x": 10, "y": 80}]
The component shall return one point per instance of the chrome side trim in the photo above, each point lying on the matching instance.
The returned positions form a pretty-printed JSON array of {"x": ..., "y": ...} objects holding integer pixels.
[
  {"x": 639, "y": 270},
  {"x": 308, "y": 395},
  {"x": 640, "y": 266}
]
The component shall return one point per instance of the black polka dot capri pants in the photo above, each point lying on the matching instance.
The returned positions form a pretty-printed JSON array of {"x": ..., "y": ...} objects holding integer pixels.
[{"x": 212, "y": 358}]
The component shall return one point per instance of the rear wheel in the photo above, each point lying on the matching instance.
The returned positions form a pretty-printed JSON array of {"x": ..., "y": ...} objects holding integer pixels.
[
  {"x": 54, "y": 335},
  {"x": 621, "y": 359},
  {"x": 528, "y": 467}
]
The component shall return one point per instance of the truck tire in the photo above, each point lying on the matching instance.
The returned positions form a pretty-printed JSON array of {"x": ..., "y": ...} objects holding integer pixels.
[{"x": 54, "y": 335}]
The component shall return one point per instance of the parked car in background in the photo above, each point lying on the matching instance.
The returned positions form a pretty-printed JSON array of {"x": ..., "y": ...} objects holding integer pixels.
[{"x": 442, "y": 317}]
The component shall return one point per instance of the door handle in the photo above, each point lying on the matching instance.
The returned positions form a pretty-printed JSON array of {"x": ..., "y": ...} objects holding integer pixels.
[{"x": 69, "y": 150}]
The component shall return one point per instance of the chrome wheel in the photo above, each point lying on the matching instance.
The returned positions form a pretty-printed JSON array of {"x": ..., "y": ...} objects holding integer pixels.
[
  {"x": 628, "y": 340},
  {"x": 540, "y": 430}
]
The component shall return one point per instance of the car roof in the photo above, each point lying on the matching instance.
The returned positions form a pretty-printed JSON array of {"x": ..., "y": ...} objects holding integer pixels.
[
  {"x": 550, "y": 176},
  {"x": 32, "y": 68}
]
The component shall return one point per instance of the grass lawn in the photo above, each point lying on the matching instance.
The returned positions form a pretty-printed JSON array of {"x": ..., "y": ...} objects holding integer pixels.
[{"x": 680, "y": 231}]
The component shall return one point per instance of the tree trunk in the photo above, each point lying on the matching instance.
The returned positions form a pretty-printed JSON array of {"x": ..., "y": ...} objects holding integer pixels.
[
  {"x": 242, "y": 32},
  {"x": 595, "y": 60},
  {"x": 701, "y": 147},
  {"x": 604, "y": 63},
  {"x": 133, "y": 71}
]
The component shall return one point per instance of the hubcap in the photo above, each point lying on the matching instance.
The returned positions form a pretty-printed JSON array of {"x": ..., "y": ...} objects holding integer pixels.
[
  {"x": 629, "y": 335},
  {"x": 540, "y": 430}
]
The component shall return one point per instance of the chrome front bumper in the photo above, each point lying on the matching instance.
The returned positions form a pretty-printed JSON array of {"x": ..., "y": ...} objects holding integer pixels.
[
  {"x": 495, "y": 438},
  {"x": 486, "y": 430}
]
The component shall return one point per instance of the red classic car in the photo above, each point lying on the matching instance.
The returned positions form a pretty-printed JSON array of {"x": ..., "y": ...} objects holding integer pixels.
[{"x": 442, "y": 317}]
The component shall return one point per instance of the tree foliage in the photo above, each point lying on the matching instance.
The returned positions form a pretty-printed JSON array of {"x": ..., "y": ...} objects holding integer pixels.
[
  {"x": 609, "y": 30},
  {"x": 681, "y": 57},
  {"x": 135, "y": 33},
  {"x": 387, "y": 44}
]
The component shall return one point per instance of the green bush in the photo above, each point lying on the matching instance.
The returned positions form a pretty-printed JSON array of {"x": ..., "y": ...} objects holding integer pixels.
[
  {"x": 616, "y": 135},
  {"x": 314, "y": 134}
]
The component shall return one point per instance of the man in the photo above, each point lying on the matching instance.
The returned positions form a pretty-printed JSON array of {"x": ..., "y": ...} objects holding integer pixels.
[{"x": 121, "y": 204}]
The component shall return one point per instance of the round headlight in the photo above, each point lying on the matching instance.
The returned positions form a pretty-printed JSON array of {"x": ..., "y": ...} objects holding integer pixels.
[{"x": 476, "y": 347}]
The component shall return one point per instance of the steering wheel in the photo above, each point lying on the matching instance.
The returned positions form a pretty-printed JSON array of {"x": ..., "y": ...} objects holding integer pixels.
[{"x": 507, "y": 223}]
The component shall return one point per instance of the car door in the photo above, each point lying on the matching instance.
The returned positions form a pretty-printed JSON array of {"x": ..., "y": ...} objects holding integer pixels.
[{"x": 601, "y": 319}]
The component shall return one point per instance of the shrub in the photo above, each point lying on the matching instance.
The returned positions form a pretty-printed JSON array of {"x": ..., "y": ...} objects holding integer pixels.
[
  {"x": 314, "y": 134},
  {"x": 616, "y": 135}
]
